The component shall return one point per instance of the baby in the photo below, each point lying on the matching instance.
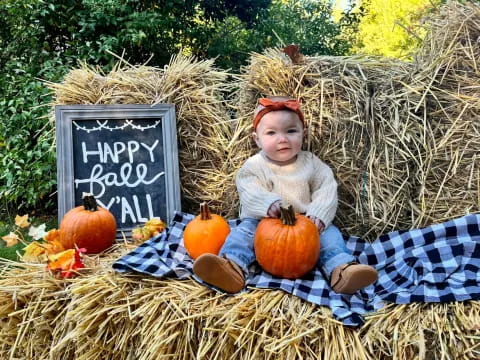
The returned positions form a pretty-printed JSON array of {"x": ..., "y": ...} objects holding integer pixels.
[{"x": 282, "y": 172}]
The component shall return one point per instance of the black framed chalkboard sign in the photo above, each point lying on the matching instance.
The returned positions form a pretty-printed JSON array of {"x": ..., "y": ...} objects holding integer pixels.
[{"x": 125, "y": 155}]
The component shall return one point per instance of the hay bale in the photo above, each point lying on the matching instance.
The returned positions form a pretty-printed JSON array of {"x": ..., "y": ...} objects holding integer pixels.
[
  {"x": 103, "y": 315},
  {"x": 352, "y": 107},
  {"x": 449, "y": 80},
  {"x": 401, "y": 137},
  {"x": 30, "y": 304},
  {"x": 424, "y": 331},
  {"x": 196, "y": 88}
]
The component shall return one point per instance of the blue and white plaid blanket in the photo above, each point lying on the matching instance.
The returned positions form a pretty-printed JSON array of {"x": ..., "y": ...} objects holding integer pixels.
[{"x": 439, "y": 263}]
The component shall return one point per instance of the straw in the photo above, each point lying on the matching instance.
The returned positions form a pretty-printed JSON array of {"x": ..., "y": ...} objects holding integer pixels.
[{"x": 104, "y": 315}]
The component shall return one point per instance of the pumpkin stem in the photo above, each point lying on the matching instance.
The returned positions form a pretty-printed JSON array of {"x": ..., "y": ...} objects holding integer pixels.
[
  {"x": 89, "y": 202},
  {"x": 204, "y": 212},
  {"x": 287, "y": 215}
]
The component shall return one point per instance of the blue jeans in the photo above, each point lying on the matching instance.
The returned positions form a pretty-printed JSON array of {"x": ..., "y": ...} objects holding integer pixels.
[{"x": 238, "y": 247}]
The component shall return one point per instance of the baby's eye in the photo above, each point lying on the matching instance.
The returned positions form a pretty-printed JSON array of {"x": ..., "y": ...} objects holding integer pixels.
[
  {"x": 270, "y": 132},
  {"x": 291, "y": 131}
]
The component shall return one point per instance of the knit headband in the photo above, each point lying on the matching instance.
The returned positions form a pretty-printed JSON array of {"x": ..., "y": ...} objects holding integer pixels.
[{"x": 270, "y": 105}]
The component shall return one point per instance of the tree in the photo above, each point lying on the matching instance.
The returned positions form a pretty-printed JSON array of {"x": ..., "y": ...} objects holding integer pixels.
[
  {"x": 307, "y": 23},
  {"x": 86, "y": 29},
  {"x": 390, "y": 28}
]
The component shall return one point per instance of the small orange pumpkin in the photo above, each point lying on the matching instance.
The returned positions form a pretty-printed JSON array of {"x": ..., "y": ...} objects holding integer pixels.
[
  {"x": 287, "y": 247},
  {"x": 88, "y": 226},
  {"x": 206, "y": 233}
]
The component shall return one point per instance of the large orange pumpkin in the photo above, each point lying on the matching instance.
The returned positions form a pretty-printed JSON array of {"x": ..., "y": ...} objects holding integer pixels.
[
  {"x": 206, "y": 233},
  {"x": 287, "y": 247},
  {"x": 88, "y": 226}
]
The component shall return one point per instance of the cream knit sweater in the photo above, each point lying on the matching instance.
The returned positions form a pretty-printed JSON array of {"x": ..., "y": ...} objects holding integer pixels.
[{"x": 307, "y": 184}]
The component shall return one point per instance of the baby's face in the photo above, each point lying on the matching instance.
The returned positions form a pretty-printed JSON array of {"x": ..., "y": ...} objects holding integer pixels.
[{"x": 280, "y": 135}]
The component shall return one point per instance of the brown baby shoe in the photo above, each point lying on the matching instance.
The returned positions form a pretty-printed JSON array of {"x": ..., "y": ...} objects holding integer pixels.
[
  {"x": 351, "y": 277},
  {"x": 219, "y": 272}
]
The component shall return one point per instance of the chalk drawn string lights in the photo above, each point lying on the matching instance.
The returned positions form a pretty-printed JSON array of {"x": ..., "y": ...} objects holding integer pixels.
[{"x": 105, "y": 125}]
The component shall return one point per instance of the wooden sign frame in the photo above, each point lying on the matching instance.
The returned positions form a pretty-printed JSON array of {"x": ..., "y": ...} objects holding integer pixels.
[{"x": 65, "y": 115}]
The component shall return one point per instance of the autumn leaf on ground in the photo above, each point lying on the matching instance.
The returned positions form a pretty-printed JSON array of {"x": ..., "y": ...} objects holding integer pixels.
[
  {"x": 10, "y": 239},
  {"x": 34, "y": 252},
  {"x": 66, "y": 262},
  {"x": 54, "y": 245},
  {"x": 22, "y": 221},
  {"x": 37, "y": 232},
  {"x": 52, "y": 235}
]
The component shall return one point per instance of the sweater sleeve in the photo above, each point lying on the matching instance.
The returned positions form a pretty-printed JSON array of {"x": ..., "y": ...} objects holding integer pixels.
[
  {"x": 324, "y": 193},
  {"x": 254, "y": 195}
]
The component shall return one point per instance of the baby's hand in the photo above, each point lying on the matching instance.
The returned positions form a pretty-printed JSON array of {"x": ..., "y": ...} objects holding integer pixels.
[
  {"x": 318, "y": 223},
  {"x": 274, "y": 210}
]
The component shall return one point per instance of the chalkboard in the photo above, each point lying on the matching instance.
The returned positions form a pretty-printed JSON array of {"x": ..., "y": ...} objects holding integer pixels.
[{"x": 125, "y": 155}]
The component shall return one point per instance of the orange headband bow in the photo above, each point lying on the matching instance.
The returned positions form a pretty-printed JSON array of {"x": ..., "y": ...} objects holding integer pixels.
[{"x": 270, "y": 105}]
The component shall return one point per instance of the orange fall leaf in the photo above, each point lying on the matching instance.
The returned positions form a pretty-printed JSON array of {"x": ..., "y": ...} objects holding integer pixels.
[
  {"x": 52, "y": 235},
  {"x": 34, "y": 252},
  {"x": 66, "y": 263}
]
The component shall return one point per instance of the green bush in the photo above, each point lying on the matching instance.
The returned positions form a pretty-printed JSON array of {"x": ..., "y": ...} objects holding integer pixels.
[{"x": 27, "y": 153}]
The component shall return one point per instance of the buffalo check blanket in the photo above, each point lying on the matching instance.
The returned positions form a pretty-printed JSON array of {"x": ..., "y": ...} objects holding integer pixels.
[{"x": 439, "y": 263}]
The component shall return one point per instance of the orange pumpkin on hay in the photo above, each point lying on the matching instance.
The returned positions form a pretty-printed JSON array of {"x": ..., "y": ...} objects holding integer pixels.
[
  {"x": 288, "y": 247},
  {"x": 88, "y": 226},
  {"x": 206, "y": 233}
]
